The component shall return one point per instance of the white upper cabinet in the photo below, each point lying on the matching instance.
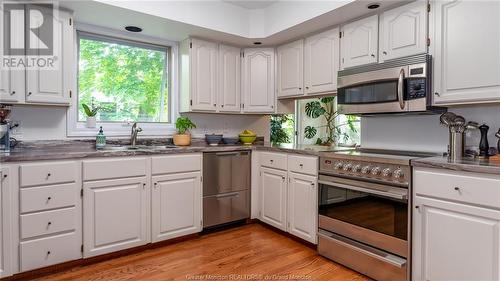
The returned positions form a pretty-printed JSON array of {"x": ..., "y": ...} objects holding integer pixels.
[
  {"x": 203, "y": 75},
  {"x": 229, "y": 79},
  {"x": 465, "y": 44},
  {"x": 291, "y": 69},
  {"x": 359, "y": 44},
  {"x": 12, "y": 88},
  {"x": 403, "y": 31},
  {"x": 321, "y": 62},
  {"x": 258, "y": 77},
  {"x": 176, "y": 205},
  {"x": 54, "y": 86}
]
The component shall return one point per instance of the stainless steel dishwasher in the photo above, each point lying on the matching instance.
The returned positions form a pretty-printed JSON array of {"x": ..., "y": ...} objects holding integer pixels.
[{"x": 226, "y": 187}]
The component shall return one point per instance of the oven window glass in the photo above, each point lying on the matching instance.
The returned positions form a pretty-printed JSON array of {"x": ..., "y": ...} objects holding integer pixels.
[
  {"x": 369, "y": 93},
  {"x": 380, "y": 214}
]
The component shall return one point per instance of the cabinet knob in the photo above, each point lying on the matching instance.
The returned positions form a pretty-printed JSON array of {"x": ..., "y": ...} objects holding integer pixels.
[
  {"x": 13, "y": 93},
  {"x": 215, "y": 104},
  {"x": 49, "y": 223},
  {"x": 300, "y": 88},
  {"x": 373, "y": 55},
  {"x": 4, "y": 176},
  {"x": 271, "y": 160},
  {"x": 313, "y": 184},
  {"x": 48, "y": 198},
  {"x": 384, "y": 52},
  {"x": 417, "y": 207},
  {"x": 29, "y": 93},
  {"x": 222, "y": 106},
  {"x": 49, "y": 174},
  {"x": 437, "y": 94},
  {"x": 48, "y": 253},
  {"x": 307, "y": 87},
  {"x": 283, "y": 178},
  {"x": 301, "y": 165},
  {"x": 457, "y": 188}
]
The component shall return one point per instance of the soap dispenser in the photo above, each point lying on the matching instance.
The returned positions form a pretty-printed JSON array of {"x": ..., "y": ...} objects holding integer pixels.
[{"x": 100, "y": 140}]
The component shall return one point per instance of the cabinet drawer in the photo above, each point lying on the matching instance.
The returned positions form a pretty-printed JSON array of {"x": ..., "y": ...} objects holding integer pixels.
[
  {"x": 273, "y": 160},
  {"x": 176, "y": 164},
  {"x": 48, "y": 173},
  {"x": 114, "y": 168},
  {"x": 48, "y": 197},
  {"x": 465, "y": 187},
  {"x": 48, "y": 251},
  {"x": 47, "y": 222},
  {"x": 303, "y": 164}
]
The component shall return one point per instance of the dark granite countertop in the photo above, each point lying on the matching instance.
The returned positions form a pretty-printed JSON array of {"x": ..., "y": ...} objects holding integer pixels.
[
  {"x": 466, "y": 164},
  {"x": 78, "y": 149}
]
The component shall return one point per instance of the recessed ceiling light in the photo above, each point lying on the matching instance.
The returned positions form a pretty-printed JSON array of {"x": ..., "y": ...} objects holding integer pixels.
[
  {"x": 132, "y": 28},
  {"x": 257, "y": 43},
  {"x": 373, "y": 6}
]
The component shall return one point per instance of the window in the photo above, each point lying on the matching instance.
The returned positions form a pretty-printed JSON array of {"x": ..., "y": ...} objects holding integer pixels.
[{"x": 128, "y": 81}]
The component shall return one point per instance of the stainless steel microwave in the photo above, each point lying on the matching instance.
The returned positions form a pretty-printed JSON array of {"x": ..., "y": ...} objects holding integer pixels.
[{"x": 397, "y": 86}]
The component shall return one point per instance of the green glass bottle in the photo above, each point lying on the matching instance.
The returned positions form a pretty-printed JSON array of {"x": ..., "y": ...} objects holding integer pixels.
[{"x": 100, "y": 140}]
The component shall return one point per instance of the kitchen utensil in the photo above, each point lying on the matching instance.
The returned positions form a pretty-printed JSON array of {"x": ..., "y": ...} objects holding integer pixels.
[
  {"x": 471, "y": 125},
  {"x": 484, "y": 146},
  {"x": 447, "y": 118},
  {"x": 213, "y": 139},
  {"x": 4, "y": 112}
]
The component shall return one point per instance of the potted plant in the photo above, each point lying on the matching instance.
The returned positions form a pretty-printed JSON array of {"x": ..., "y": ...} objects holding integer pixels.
[
  {"x": 325, "y": 107},
  {"x": 183, "y": 125},
  {"x": 91, "y": 112}
]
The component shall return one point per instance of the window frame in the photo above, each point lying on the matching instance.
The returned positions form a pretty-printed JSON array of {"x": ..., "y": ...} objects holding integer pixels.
[{"x": 118, "y": 129}]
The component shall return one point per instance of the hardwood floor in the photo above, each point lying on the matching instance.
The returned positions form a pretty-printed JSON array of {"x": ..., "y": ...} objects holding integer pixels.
[{"x": 252, "y": 251}]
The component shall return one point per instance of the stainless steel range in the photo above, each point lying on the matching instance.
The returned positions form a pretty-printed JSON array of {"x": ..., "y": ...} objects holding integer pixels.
[{"x": 364, "y": 211}]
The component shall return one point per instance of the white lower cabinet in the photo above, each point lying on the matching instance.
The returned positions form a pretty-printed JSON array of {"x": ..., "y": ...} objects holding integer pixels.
[
  {"x": 6, "y": 240},
  {"x": 302, "y": 206},
  {"x": 289, "y": 194},
  {"x": 273, "y": 197},
  {"x": 454, "y": 240},
  {"x": 176, "y": 205},
  {"x": 115, "y": 215}
]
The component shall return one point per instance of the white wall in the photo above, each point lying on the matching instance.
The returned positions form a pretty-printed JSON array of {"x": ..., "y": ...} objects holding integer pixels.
[
  {"x": 49, "y": 123},
  {"x": 424, "y": 133}
]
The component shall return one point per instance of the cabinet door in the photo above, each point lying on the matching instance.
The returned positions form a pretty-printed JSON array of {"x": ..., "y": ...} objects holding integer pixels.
[
  {"x": 291, "y": 69},
  {"x": 403, "y": 31},
  {"x": 303, "y": 206},
  {"x": 258, "y": 76},
  {"x": 54, "y": 86},
  {"x": 229, "y": 79},
  {"x": 115, "y": 215},
  {"x": 455, "y": 242},
  {"x": 359, "y": 42},
  {"x": 203, "y": 75},
  {"x": 176, "y": 205},
  {"x": 6, "y": 226},
  {"x": 466, "y": 52},
  {"x": 12, "y": 89},
  {"x": 273, "y": 197},
  {"x": 321, "y": 62}
]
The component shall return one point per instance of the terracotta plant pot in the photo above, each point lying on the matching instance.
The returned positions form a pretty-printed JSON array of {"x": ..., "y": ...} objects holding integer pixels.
[{"x": 182, "y": 140}]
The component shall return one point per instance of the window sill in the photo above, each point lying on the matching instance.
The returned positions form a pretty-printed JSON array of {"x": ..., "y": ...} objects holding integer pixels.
[{"x": 121, "y": 130}]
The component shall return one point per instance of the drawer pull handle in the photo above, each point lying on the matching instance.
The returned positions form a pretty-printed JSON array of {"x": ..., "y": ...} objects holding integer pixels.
[
  {"x": 271, "y": 160},
  {"x": 301, "y": 165},
  {"x": 457, "y": 188}
]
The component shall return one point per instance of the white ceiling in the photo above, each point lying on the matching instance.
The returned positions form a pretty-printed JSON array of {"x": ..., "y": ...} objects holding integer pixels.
[
  {"x": 218, "y": 21},
  {"x": 251, "y": 5}
]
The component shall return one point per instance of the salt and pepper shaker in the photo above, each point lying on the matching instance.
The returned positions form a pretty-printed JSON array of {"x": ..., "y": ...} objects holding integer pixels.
[{"x": 484, "y": 146}]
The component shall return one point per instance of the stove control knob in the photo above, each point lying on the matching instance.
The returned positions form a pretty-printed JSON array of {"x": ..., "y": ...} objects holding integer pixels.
[
  {"x": 398, "y": 174},
  {"x": 366, "y": 170},
  {"x": 347, "y": 167},
  {"x": 386, "y": 172},
  {"x": 376, "y": 171},
  {"x": 339, "y": 166},
  {"x": 356, "y": 168}
]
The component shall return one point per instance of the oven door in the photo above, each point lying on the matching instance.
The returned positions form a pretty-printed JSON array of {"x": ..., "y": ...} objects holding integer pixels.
[
  {"x": 370, "y": 213},
  {"x": 380, "y": 91}
]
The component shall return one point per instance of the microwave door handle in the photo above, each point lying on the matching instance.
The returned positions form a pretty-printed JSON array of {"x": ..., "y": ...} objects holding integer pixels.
[
  {"x": 400, "y": 88},
  {"x": 367, "y": 190}
]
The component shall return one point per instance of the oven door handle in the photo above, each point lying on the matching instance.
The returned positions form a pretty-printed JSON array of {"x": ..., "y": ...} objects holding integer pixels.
[
  {"x": 401, "y": 79},
  {"x": 367, "y": 190}
]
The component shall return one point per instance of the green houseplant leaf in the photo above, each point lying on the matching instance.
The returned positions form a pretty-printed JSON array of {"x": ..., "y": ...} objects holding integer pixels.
[
  {"x": 184, "y": 124},
  {"x": 88, "y": 111},
  {"x": 310, "y": 132},
  {"x": 314, "y": 109}
]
